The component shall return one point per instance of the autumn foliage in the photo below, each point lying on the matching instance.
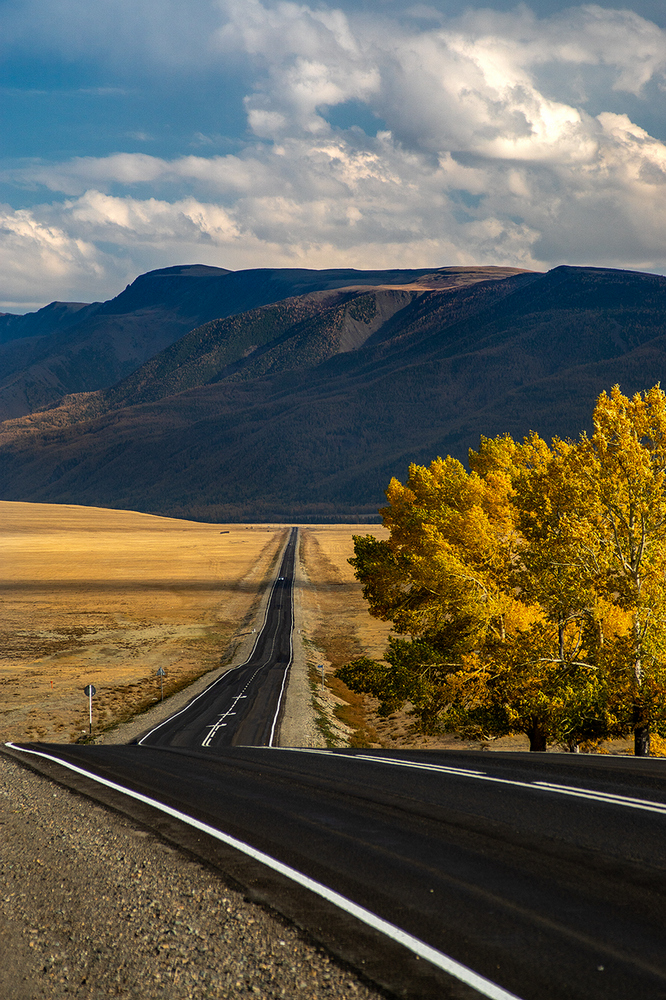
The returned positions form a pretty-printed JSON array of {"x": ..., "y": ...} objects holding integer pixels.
[{"x": 528, "y": 595}]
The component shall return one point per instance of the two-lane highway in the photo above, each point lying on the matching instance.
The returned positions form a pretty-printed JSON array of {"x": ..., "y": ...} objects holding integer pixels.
[
  {"x": 438, "y": 874},
  {"x": 243, "y": 707}
]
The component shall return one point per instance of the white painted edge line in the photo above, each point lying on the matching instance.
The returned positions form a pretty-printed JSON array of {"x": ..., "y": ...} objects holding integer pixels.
[
  {"x": 291, "y": 648},
  {"x": 646, "y": 805},
  {"x": 388, "y": 760},
  {"x": 213, "y": 727},
  {"x": 208, "y": 689},
  {"x": 437, "y": 958}
]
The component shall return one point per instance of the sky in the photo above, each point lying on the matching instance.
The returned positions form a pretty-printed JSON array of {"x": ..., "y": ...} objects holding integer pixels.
[{"x": 138, "y": 134}]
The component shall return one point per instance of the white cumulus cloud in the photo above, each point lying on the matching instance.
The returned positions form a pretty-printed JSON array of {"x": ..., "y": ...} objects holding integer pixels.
[
  {"x": 38, "y": 260},
  {"x": 484, "y": 156}
]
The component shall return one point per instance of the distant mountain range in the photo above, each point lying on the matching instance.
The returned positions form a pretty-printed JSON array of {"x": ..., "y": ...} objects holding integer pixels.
[
  {"x": 295, "y": 394},
  {"x": 72, "y": 347}
]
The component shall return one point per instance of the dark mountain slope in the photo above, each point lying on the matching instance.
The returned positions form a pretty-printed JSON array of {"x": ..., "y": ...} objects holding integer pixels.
[
  {"x": 530, "y": 352},
  {"x": 295, "y": 334},
  {"x": 96, "y": 346},
  {"x": 56, "y": 316}
]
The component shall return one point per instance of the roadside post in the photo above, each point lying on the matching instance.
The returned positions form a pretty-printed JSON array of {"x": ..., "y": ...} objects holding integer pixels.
[
  {"x": 321, "y": 667},
  {"x": 160, "y": 674},
  {"x": 90, "y": 690}
]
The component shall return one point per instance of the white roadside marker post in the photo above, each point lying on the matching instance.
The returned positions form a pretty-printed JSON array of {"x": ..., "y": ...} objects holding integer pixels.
[
  {"x": 90, "y": 690},
  {"x": 160, "y": 674}
]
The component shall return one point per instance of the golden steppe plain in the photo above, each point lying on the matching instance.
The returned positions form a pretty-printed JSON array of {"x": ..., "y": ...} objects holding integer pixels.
[{"x": 106, "y": 597}]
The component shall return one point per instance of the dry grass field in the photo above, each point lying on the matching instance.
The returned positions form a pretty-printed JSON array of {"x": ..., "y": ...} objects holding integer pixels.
[
  {"x": 107, "y": 597},
  {"x": 339, "y": 627}
]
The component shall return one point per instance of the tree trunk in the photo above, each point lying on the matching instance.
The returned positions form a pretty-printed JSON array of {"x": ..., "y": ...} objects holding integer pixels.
[
  {"x": 537, "y": 735},
  {"x": 642, "y": 741},
  {"x": 641, "y": 731}
]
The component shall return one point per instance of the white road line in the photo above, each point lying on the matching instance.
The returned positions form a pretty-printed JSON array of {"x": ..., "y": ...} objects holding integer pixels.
[
  {"x": 291, "y": 650},
  {"x": 387, "y": 760},
  {"x": 437, "y": 958},
  {"x": 421, "y": 766},
  {"x": 206, "y": 742},
  {"x": 213, "y": 727},
  {"x": 220, "y": 723},
  {"x": 647, "y": 805},
  {"x": 222, "y": 676}
]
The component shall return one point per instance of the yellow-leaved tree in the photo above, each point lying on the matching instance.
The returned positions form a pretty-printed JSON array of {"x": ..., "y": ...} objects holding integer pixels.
[
  {"x": 623, "y": 466},
  {"x": 532, "y": 588}
]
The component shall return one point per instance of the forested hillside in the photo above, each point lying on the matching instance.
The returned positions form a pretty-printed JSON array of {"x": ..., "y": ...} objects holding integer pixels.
[
  {"x": 69, "y": 347},
  {"x": 303, "y": 410}
]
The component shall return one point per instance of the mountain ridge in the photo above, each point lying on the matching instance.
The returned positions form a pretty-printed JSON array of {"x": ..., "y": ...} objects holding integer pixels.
[
  {"x": 68, "y": 348},
  {"x": 302, "y": 430}
]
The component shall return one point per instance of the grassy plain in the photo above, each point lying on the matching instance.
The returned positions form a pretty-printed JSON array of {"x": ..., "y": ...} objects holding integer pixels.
[
  {"x": 89, "y": 595},
  {"x": 339, "y": 627}
]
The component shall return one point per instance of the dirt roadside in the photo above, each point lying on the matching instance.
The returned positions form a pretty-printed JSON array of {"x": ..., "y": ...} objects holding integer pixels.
[{"x": 93, "y": 907}]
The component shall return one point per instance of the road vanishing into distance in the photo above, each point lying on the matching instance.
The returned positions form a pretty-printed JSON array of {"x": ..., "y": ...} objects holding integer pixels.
[
  {"x": 437, "y": 874},
  {"x": 243, "y": 707}
]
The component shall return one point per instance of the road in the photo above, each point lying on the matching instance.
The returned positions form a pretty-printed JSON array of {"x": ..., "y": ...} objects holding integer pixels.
[
  {"x": 550, "y": 893},
  {"x": 243, "y": 707},
  {"x": 437, "y": 874}
]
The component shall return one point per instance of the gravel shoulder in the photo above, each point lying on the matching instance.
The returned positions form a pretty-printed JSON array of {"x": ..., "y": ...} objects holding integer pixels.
[
  {"x": 299, "y": 725},
  {"x": 92, "y": 906}
]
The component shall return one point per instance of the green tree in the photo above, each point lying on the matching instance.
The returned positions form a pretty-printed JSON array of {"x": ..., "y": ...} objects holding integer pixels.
[
  {"x": 623, "y": 466},
  {"x": 533, "y": 587}
]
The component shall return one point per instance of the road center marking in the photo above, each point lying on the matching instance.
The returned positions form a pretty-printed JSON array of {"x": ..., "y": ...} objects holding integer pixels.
[
  {"x": 437, "y": 958},
  {"x": 223, "y": 676},
  {"x": 646, "y": 805}
]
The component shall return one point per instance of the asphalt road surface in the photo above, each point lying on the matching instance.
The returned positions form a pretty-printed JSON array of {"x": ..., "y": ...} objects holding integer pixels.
[
  {"x": 544, "y": 874},
  {"x": 437, "y": 874},
  {"x": 242, "y": 708}
]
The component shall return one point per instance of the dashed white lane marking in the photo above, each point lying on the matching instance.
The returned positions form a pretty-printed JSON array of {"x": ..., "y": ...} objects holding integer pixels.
[
  {"x": 647, "y": 805},
  {"x": 206, "y": 691},
  {"x": 437, "y": 958},
  {"x": 223, "y": 676},
  {"x": 220, "y": 724},
  {"x": 206, "y": 742}
]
